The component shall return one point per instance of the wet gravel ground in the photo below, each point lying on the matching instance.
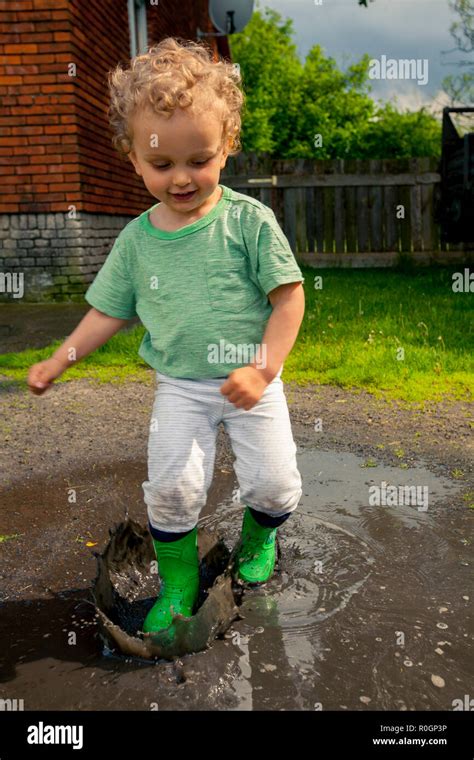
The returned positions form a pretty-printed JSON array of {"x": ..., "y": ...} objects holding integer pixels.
[{"x": 81, "y": 423}]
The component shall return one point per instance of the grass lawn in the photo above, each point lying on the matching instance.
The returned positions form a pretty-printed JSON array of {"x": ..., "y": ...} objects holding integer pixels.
[{"x": 403, "y": 335}]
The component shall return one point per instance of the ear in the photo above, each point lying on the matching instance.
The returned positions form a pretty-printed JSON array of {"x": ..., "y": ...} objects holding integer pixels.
[
  {"x": 225, "y": 153},
  {"x": 133, "y": 158}
]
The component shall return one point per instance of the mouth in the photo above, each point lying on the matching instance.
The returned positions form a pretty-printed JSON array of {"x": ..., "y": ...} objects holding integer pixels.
[{"x": 183, "y": 196}]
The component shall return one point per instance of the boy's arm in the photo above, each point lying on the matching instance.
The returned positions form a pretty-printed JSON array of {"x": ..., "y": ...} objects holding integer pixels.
[
  {"x": 95, "y": 329},
  {"x": 282, "y": 328}
]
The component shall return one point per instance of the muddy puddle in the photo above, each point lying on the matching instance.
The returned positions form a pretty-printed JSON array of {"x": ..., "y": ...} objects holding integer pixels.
[{"x": 370, "y": 609}]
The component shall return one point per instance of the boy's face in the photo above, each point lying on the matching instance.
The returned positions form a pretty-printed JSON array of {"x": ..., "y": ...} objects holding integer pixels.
[{"x": 177, "y": 155}]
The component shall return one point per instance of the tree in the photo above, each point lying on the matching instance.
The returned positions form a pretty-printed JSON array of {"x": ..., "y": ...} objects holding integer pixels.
[
  {"x": 271, "y": 72},
  {"x": 314, "y": 110},
  {"x": 461, "y": 87},
  {"x": 412, "y": 134}
]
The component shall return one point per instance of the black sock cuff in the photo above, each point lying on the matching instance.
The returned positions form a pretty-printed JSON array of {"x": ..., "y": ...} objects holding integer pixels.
[
  {"x": 266, "y": 521},
  {"x": 164, "y": 535}
]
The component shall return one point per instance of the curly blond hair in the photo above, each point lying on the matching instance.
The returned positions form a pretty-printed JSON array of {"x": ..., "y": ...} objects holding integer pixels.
[{"x": 175, "y": 73}]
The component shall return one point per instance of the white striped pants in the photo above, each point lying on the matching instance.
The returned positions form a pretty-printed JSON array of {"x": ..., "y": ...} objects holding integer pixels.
[{"x": 182, "y": 447}]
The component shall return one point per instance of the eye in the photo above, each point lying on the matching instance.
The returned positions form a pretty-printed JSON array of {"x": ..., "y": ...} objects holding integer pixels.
[{"x": 196, "y": 163}]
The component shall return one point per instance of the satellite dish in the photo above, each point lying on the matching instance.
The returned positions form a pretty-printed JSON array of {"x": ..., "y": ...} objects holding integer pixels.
[{"x": 230, "y": 16}]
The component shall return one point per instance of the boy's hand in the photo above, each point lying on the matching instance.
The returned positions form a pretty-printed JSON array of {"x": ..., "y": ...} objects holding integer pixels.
[
  {"x": 244, "y": 387},
  {"x": 41, "y": 375}
]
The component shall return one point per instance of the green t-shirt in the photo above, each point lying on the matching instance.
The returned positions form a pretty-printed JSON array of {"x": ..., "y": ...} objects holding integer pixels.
[{"x": 200, "y": 291}]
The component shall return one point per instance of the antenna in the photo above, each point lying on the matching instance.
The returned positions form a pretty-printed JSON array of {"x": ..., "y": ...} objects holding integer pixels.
[{"x": 229, "y": 16}]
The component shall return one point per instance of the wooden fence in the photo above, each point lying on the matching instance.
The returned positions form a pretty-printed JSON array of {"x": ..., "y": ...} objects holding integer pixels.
[{"x": 350, "y": 212}]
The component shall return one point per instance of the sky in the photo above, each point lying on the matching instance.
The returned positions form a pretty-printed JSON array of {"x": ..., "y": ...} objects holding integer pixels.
[{"x": 397, "y": 29}]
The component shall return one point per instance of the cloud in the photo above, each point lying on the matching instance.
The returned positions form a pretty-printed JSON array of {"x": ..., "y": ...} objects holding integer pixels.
[
  {"x": 395, "y": 28},
  {"x": 412, "y": 98}
]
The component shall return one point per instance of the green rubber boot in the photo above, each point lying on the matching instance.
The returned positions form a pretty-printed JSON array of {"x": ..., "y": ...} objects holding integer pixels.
[
  {"x": 178, "y": 567},
  {"x": 255, "y": 557}
]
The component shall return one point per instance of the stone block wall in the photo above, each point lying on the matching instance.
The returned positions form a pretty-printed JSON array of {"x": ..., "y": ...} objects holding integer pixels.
[{"x": 51, "y": 257}]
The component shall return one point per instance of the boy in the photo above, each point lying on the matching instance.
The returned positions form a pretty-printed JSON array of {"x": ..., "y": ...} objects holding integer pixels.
[{"x": 215, "y": 283}]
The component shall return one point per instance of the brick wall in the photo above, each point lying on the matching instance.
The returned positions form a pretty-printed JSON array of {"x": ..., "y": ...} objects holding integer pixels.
[{"x": 65, "y": 194}]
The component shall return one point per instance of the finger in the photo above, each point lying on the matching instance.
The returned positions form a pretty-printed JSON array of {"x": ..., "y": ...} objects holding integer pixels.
[
  {"x": 234, "y": 398},
  {"x": 37, "y": 380},
  {"x": 43, "y": 377},
  {"x": 36, "y": 386},
  {"x": 36, "y": 391}
]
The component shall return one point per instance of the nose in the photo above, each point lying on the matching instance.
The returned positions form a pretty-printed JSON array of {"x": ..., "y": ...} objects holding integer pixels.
[{"x": 181, "y": 180}]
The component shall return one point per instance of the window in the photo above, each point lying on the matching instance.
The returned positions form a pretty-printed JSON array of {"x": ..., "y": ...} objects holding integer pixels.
[{"x": 138, "y": 27}]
